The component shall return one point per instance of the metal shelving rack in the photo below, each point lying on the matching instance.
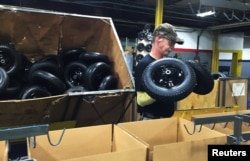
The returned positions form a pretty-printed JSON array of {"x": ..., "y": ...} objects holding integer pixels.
[
  {"x": 30, "y": 132},
  {"x": 238, "y": 119}
]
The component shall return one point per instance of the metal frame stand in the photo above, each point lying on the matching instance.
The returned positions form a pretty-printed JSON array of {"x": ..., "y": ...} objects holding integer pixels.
[
  {"x": 27, "y": 132},
  {"x": 238, "y": 119}
]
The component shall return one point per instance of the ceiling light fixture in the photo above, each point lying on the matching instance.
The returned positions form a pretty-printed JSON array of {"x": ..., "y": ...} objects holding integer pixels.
[{"x": 204, "y": 14}]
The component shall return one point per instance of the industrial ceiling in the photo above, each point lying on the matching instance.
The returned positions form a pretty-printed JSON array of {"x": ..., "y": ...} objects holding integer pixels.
[{"x": 130, "y": 16}]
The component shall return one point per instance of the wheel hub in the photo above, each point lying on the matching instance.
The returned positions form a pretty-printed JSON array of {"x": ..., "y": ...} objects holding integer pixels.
[
  {"x": 76, "y": 77},
  {"x": 5, "y": 60},
  {"x": 168, "y": 77}
]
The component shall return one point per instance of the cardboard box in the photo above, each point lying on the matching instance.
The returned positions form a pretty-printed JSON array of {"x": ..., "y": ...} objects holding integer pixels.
[
  {"x": 233, "y": 92},
  {"x": 167, "y": 139},
  {"x": 38, "y": 33},
  {"x": 196, "y": 101},
  {"x": 2, "y": 150},
  {"x": 93, "y": 143}
]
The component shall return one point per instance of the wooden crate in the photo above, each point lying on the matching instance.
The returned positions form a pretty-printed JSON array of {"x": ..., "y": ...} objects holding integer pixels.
[{"x": 38, "y": 33}]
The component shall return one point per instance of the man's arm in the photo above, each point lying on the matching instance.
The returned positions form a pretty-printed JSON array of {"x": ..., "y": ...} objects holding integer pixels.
[{"x": 144, "y": 99}]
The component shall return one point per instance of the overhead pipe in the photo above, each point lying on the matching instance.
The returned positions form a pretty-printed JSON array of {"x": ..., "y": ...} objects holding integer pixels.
[
  {"x": 234, "y": 16},
  {"x": 150, "y": 9},
  {"x": 243, "y": 18},
  {"x": 191, "y": 7},
  {"x": 234, "y": 5},
  {"x": 198, "y": 39},
  {"x": 232, "y": 25},
  {"x": 197, "y": 57},
  {"x": 95, "y": 4},
  {"x": 229, "y": 18}
]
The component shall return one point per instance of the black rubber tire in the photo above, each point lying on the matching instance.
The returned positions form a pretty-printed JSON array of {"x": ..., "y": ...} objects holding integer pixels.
[
  {"x": 204, "y": 79},
  {"x": 109, "y": 82},
  {"x": 218, "y": 75},
  {"x": 49, "y": 81},
  {"x": 140, "y": 47},
  {"x": 95, "y": 74},
  {"x": 168, "y": 79},
  {"x": 26, "y": 64},
  {"x": 148, "y": 47},
  {"x": 47, "y": 66},
  {"x": 4, "y": 80},
  {"x": 74, "y": 74},
  {"x": 69, "y": 55},
  {"x": 32, "y": 92},
  {"x": 141, "y": 35},
  {"x": 13, "y": 89},
  {"x": 10, "y": 59},
  {"x": 89, "y": 58},
  {"x": 53, "y": 59},
  {"x": 147, "y": 27}
]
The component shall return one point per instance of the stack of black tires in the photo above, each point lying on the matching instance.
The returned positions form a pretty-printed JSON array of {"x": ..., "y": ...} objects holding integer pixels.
[
  {"x": 71, "y": 70},
  {"x": 144, "y": 42}
]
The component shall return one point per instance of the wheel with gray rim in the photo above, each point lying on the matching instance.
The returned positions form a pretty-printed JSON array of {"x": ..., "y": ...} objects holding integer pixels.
[
  {"x": 74, "y": 74},
  {"x": 168, "y": 79}
]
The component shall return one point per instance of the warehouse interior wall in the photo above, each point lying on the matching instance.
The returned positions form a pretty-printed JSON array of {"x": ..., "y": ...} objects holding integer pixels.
[
  {"x": 226, "y": 41},
  {"x": 231, "y": 41},
  {"x": 191, "y": 38},
  {"x": 236, "y": 41},
  {"x": 189, "y": 35},
  {"x": 196, "y": 42}
]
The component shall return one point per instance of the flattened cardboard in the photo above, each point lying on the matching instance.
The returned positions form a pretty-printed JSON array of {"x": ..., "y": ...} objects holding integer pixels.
[
  {"x": 169, "y": 133},
  {"x": 37, "y": 33},
  {"x": 90, "y": 144}
]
